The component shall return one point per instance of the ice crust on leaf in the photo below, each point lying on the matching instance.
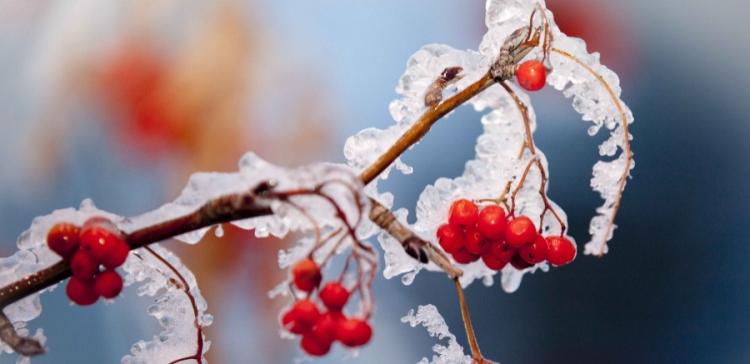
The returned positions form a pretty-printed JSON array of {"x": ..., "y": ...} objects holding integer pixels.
[
  {"x": 172, "y": 307},
  {"x": 429, "y": 317}
]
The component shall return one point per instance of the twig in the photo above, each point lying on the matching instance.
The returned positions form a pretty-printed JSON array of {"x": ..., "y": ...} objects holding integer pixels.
[
  {"x": 476, "y": 354},
  {"x": 422, "y": 126},
  {"x": 20, "y": 344},
  {"x": 625, "y": 142}
]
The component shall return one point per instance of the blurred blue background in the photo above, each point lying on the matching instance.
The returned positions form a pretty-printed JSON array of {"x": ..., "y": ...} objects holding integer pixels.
[{"x": 292, "y": 80}]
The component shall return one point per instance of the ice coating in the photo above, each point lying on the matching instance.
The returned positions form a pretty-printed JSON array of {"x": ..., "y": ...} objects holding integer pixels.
[
  {"x": 429, "y": 317},
  {"x": 34, "y": 255},
  {"x": 497, "y": 148},
  {"x": 172, "y": 307}
]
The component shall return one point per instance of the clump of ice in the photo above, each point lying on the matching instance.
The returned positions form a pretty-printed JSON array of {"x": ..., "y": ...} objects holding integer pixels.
[
  {"x": 497, "y": 149},
  {"x": 172, "y": 308},
  {"x": 429, "y": 317}
]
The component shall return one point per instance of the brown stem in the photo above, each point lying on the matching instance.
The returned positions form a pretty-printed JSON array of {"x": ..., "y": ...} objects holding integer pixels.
[
  {"x": 422, "y": 126},
  {"x": 415, "y": 246},
  {"x": 20, "y": 344},
  {"x": 625, "y": 142},
  {"x": 476, "y": 354}
]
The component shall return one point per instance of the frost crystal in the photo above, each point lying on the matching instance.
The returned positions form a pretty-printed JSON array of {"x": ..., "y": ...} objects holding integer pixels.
[
  {"x": 429, "y": 317},
  {"x": 498, "y": 148}
]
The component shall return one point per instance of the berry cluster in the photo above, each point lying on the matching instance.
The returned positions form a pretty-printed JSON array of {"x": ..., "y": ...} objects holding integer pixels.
[
  {"x": 93, "y": 251},
  {"x": 321, "y": 328},
  {"x": 489, "y": 234}
]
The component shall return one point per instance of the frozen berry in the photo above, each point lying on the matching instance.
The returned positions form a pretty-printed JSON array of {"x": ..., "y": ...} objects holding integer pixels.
[
  {"x": 314, "y": 346},
  {"x": 560, "y": 251},
  {"x": 535, "y": 252},
  {"x": 531, "y": 75},
  {"x": 300, "y": 318},
  {"x": 354, "y": 332},
  {"x": 117, "y": 255},
  {"x": 492, "y": 222},
  {"x": 325, "y": 327},
  {"x": 306, "y": 275},
  {"x": 463, "y": 213},
  {"x": 463, "y": 256},
  {"x": 450, "y": 238},
  {"x": 473, "y": 240},
  {"x": 520, "y": 231},
  {"x": 519, "y": 263},
  {"x": 493, "y": 262},
  {"x": 101, "y": 241},
  {"x": 63, "y": 239},
  {"x": 334, "y": 295},
  {"x": 108, "y": 284},
  {"x": 83, "y": 266},
  {"x": 81, "y": 292},
  {"x": 500, "y": 249}
]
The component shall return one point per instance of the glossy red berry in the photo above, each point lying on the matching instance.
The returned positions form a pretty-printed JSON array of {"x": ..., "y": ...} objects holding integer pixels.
[
  {"x": 306, "y": 275},
  {"x": 354, "y": 332},
  {"x": 117, "y": 255},
  {"x": 63, "y": 239},
  {"x": 108, "y": 284},
  {"x": 492, "y": 222},
  {"x": 450, "y": 238},
  {"x": 83, "y": 266},
  {"x": 531, "y": 75},
  {"x": 325, "y": 327},
  {"x": 500, "y": 249},
  {"x": 520, "y": 231},
  {"x": 560, "y": 251},
  {"x": 334, "y": 295},
  {"x": 493, "y": 262},
  {"x": 473, "y": 240},
  {"x": 301, "y": 317},
  {"x": 101, "y": 242},
  {"x": 463, "y": 213},
  {"x": 463, "y": 256},
  {"x": 314, "y": 346},
  {"x": 518, "y": 262},
  {"x": 81, "y": 292},
  {"x": 535, "y": 252}
]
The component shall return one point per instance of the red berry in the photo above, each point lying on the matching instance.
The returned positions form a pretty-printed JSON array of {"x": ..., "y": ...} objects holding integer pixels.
[
  {"x": 474, "y": 240},
  {"x": 83, "y": 266},
  {"x": 560, "y": 251},
  {"x": 463, "y": 256},
  {"x": 354, "y": 332},
  {"x": 101, "y": 242},
  {"x": 81, "y": 292},
  {"x": 325, "y": 328},
  {"x": 535, "y": 252},
  {"x": 63, "y": 239},
  {"x": 306, "y": 275},
  {"x": 118, "y": 254},
  {"x": 300, "y": 318},
  {"x": 334, "y": 295},
  {"x": 493, "y": 262},
  {"x": 314, "y": 346},
  {"x": 450, "y": 238},
  {"x": 463, "y": 213},
  {"x": 492, "y": 222},
  {"x": 518, "y": 262},
  {"x": 531, "y": 75},
  {"x": 520, "y": 231},
  {"x": 108, "y": 284},
  {"x": 500, "y": 249}
]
